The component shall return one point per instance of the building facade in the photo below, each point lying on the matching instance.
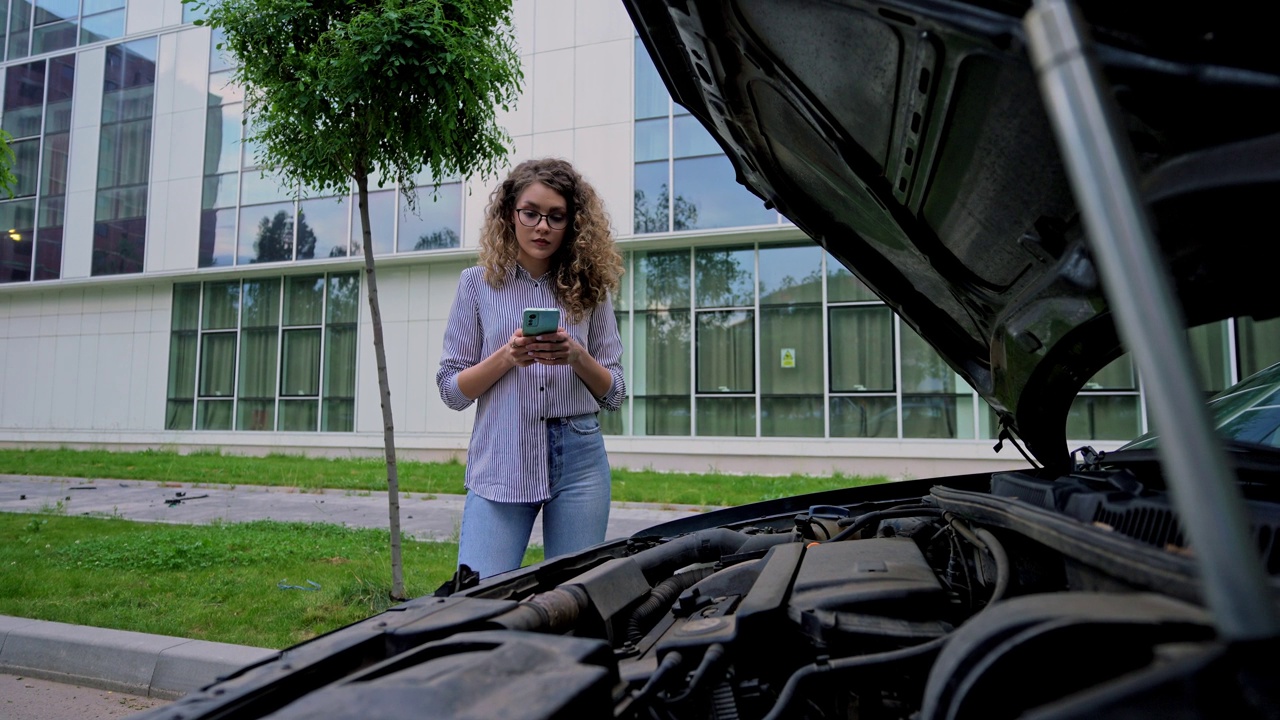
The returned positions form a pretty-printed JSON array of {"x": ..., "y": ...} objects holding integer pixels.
[{"x": 157, "y": 289}]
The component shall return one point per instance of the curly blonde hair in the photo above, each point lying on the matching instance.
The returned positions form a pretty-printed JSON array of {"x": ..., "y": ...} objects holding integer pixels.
[{"x": 586, "y": 267}]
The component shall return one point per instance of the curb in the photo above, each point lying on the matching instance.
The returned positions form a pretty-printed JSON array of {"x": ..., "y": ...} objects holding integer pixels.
[{"x": 156, "y": 666}]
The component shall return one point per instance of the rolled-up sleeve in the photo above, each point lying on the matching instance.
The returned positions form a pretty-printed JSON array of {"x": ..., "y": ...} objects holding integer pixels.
[
  {"x": 605, "y": 345},
  {"x": 463, "y": 343}
]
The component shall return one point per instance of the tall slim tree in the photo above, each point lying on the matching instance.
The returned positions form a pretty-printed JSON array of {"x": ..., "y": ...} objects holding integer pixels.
[{"x": 339, "y": 90}]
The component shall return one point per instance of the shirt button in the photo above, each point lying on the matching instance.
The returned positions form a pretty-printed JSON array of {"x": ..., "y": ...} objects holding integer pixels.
[
  {"x": 541, "y": 389},
  {"x": 542, "y": 418}
]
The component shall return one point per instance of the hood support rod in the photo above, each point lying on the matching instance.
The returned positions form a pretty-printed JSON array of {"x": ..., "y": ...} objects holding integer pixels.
[{"x": 1101, "y": 171}]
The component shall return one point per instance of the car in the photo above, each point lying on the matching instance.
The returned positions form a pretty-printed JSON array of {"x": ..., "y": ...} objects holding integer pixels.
[{"x": 1035, "y": 188}]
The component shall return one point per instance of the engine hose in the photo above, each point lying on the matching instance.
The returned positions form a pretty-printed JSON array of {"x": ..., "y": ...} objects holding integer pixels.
[
  {"x": 659, "y": 599},
  {"x": 1003, "y": 568},
  {"x": 863, "y": 521},
  {"x": 553, "y": 611},
  {"x": 696, "y": 547},
  {"x": 845, "y": 664}
]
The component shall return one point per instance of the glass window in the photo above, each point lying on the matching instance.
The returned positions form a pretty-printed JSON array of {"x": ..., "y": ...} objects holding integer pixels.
[
  {"x": 304, "y": 300},
  {"x": 124, "y": 158},
  {"x": 222, "y": 139},
  {"x": 791, "y": 350},
  {"x": 727, "y": 417},
  {"x": 1259, "y": 344},
  {"x": 259, "y": 336},
  {"x": 255, "y": 372},
  {"x": 183, "y": 339},
  {"x": 1212, "y": 354},
  {"x": 864, "y": 416},
  {"x": 266, "y": 234},
  {"x": 661, "y": 378},
  {"x": 651, "y": 140},
  {"x": 690, "y": 138},
  {"x": 382, "y": 216},
  {"x": 651, "y": 93},
  {"x": 652, "y": 211},
  {"x": 217, "y": 238},
  {"x": 861, "y": 348},
  {"x": 322, "y": 228},
  {"x": 707, "y": 195},
  {"x": 662, "y": 279},
  {"x": 725, "y": 277},
  {"x": 437, "y": 222},
  {"x": 790, "y": 416},
  {"x": 843, "y": 286},
  {"x": 726, "y": 350},
  {"x": 791, "y": 275},
  {"x": 1104, "y": 417},
  {"x": 36, "y": 112}
]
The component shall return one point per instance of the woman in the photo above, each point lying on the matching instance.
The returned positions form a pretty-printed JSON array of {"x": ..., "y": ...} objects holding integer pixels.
[{"x": 536, "y": 444}]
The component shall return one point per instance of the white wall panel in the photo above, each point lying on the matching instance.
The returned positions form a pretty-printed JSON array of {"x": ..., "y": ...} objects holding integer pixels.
[
  {"x": 599, "y": 21},
  {"x": 44, "y": 379},
  {"x": 65, "y": 368},
  {"x": 518, "y": 118},
  {"x": 157, "y": 220},
  {"x": 86, "y": 106},
  {"x": 553, "y": 90},
  {"x": 554, "y": 144},
  {"x": 154, "y": 393},
  {"x": 191, "y": 78},
  {"x": 137, "y": 376},
  {"x": 166, "y": 71},
  {"x": 440, "y": 418},
  {"x": 419, "y": 376},
  {"x": 603, "y": 155},
  {"x": 602, "y": 83},
  {"x": 173, "y": 13},
  {"x": 111, "y": 381},
  {"x": 553, "y": 24},
  {"x": 144, "y": 15},
  {"x": 419, "y": 286},
  {"x": 522, "y": 13},
  {"x": 443, "y": 287},
  {"x": 180, "y": 232},
  {"x": 20, "y": 390}
]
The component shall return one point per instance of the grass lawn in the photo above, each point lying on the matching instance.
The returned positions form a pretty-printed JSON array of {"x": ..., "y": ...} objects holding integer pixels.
[
  {"x": 224, "y": 582},
  {"x": 211, "y": 582},
  {"x": 415, "y": 477}
]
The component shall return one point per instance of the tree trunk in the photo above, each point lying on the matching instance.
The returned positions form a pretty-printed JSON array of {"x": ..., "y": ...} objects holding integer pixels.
[{"x": 384, "y": 389}]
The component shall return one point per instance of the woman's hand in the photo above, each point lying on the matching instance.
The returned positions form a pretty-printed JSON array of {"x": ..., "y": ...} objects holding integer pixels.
[
  {"x": 517, "y": 352},
  {"x": 558, "y": 348}
]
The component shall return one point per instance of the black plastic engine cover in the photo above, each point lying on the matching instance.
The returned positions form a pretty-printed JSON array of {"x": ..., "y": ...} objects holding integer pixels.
[{"x": 494, "y": 674}]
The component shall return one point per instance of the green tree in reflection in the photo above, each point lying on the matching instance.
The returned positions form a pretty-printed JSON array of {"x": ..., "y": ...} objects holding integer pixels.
[
  {"x": 650, "y": 218},
  {"x": 439, "y": 240},
  {"x": 275, "y": 238}
]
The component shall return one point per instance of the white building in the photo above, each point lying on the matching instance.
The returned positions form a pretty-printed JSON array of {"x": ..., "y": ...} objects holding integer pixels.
[{"x": 157, "y": 291}]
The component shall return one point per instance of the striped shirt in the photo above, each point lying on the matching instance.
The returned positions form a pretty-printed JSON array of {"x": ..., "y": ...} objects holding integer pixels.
[{"x": 507, "y": 456}]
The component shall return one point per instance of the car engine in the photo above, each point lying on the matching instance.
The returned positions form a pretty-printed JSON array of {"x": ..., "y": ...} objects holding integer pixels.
[{"x": 880, "y": 608}]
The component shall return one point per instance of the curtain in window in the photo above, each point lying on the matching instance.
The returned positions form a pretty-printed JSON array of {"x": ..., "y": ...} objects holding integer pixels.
[
  {"x": 726, "y": 349},
  {"x": 861, "y": 349}
]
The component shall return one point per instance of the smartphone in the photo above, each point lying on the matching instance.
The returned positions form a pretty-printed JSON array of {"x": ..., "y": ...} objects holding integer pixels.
[{"x": 540, "y": 321}]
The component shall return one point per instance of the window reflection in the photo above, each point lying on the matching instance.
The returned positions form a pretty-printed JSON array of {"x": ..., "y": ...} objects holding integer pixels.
[{"x": 433, "y": 225}]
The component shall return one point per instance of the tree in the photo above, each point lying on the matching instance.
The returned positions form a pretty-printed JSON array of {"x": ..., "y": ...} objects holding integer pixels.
[{"x": 336, "y": 91}]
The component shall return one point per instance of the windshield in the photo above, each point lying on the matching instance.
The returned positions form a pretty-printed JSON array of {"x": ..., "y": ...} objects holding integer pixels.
[{"x": 1247, "y": 412}]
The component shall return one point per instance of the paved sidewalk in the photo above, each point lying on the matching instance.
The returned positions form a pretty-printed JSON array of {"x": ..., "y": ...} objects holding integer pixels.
[
  {"x": 422, "y": 516},
  {"x": 168, "y": 667}
]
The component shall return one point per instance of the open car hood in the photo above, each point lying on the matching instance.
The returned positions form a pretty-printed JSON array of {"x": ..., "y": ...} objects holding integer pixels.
[{"x": 910, "y": 140}]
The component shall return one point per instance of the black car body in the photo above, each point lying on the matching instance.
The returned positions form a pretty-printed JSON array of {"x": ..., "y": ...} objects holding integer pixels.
[{"x": 970, "y": 163}]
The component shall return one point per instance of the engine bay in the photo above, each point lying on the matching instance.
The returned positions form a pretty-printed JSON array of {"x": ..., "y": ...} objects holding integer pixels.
[{"x": 1058, "y": 599}]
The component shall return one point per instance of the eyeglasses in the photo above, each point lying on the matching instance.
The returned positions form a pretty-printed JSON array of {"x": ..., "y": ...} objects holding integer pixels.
[{"x": 531, "y": 218}]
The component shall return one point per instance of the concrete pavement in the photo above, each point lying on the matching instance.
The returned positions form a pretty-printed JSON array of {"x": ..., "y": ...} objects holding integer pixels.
[{"x": 168, "y": 667}]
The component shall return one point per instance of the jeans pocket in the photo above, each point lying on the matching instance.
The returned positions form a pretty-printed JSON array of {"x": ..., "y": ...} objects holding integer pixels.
[{"x": 587, "y": 424}]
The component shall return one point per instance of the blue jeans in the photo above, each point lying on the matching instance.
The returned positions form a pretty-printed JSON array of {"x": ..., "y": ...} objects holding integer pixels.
[{"x": 494, "y": 534}]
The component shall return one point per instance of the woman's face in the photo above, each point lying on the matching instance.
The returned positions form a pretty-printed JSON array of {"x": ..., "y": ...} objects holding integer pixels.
[{"x": 540, "y": 242}]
